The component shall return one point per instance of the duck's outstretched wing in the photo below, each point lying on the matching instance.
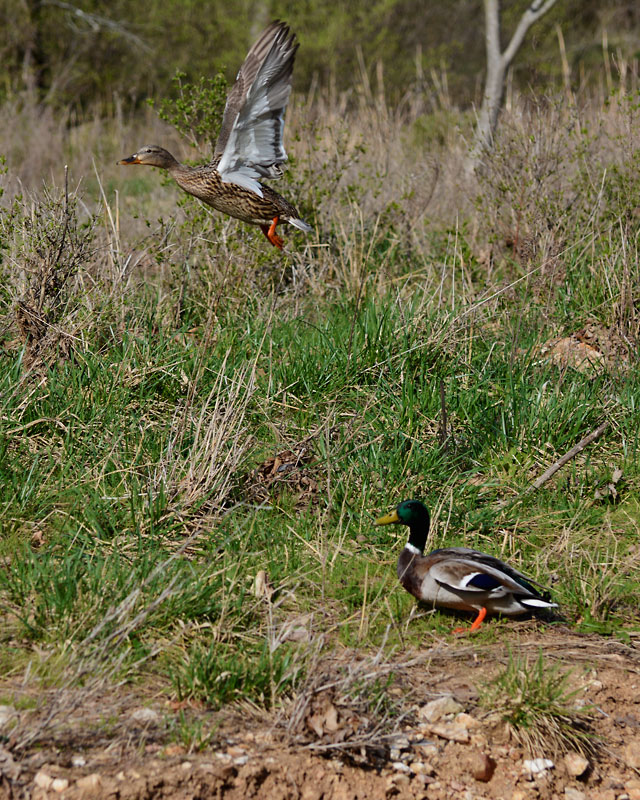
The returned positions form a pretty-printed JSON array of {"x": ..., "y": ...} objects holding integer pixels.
[{"x": 250, "y": 142}]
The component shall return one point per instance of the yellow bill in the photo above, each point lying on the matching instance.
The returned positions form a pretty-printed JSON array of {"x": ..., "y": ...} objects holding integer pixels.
[{"x": 388, "y": 518}]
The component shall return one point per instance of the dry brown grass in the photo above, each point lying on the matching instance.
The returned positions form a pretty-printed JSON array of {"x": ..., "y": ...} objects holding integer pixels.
[{"x": 368, "y": 177}]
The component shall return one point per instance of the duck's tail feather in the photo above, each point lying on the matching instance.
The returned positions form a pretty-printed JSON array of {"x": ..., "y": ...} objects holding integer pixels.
[
  {"x": 299, "y": 224},
  {"x": 536, "y": 602}
]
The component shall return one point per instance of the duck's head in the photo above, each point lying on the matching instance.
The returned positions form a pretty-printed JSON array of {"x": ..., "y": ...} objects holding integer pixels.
[
  {"x": 409, "y": 512},
  {"x": 414, "y": 514},
  {"x": 151, "y": 155}
]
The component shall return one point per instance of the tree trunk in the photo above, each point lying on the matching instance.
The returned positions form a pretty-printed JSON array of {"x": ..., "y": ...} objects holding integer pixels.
[{"x": 498, "y": 62}]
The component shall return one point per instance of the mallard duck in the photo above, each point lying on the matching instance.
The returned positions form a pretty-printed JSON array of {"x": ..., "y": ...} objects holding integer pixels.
[
  {"x": 460, "y": 578},
  {"x": 249, "y": 145}
]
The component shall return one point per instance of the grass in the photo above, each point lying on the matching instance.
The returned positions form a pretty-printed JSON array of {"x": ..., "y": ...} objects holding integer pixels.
[
  {"x": 540, "y": 708},
  {"x": 186, "y": 355}
]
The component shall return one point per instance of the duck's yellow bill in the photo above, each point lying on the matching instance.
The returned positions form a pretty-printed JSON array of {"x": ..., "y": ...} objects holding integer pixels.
[{"x": 388, "y": 518}]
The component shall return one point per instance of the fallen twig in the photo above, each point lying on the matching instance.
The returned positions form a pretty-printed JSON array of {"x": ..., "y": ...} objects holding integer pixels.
[{"x": 549, "y": 473}]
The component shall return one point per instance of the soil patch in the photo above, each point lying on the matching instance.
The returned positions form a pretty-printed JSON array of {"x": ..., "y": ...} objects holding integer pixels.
[{"x": 432, "y": 740}]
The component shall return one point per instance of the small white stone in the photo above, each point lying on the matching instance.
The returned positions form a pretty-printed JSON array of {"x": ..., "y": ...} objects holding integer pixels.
[
  {"x": 573, "y": 794},
  {"x": 576, "y": 764},
  {"x": 400, "y": 767},
  {"x": 78, "y": 761},
  {"x": 240, "y": 760},
  {"x": 43, "y": 781},
  {"x": 60, "y": 785},
  {"x": 185, "y": 765},
  {"x": 537, "y": 766},
  {"x": 439, "y": 708},
  {"x": 145, "y": 716}
]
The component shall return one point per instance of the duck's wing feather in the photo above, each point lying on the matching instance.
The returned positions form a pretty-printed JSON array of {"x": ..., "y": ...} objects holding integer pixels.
[
  {"x": 246, "y": 76},
  {"x": 468, "y": 570},
  {"x": 250, "y": 142}
]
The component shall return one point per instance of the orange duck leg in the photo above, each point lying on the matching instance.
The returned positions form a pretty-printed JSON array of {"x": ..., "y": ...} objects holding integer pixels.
[
  {"x": 271, "y": 234},
  {"x": 477, "y": 622}
]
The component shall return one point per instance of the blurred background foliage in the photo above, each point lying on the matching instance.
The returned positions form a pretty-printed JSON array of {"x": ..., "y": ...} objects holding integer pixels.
[{"x": 81, "y": 54}]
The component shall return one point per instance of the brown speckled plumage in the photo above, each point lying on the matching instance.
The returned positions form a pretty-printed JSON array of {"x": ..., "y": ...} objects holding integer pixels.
[{"x": 250, "y": 142}]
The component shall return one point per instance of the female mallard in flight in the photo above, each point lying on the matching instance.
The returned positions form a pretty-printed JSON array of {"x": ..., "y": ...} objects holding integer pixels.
[
  {"x": 457, "y": 577},
  {"x": 249, "y": 145}
]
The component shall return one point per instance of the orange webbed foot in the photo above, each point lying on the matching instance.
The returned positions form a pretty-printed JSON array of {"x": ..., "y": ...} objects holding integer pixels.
[
  {"x": 271, "y": 234},
  {"x": 477, "y": 622}
]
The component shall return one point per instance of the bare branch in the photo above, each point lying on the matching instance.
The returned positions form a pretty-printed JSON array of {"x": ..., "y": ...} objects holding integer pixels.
[
  {"x": 536, "y": 10},
  {"x": 97, "y": 23},
  {"x": 578, "y": 448}
]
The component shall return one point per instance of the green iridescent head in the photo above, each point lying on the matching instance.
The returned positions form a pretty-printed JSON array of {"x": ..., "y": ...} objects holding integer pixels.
[{"x": 409, "y": 512}]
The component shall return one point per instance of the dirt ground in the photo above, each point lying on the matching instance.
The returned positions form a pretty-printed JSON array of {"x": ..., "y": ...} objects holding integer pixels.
[{"x": 433, "y": 740}]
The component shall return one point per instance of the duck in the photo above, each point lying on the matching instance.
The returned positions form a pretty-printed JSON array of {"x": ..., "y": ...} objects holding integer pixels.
[
  {"x": 460, "y": 578},
  {"x": 249, "y": 145}
]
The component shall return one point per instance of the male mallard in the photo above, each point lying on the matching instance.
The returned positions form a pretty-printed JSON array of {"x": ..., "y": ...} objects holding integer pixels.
[
  {"x": 457, "y": 577},
  {"x": 249, "y": 145}
]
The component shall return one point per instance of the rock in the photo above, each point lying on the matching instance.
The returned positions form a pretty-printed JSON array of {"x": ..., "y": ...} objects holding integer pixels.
[
  {"x": 401, "y": 742},
  {"x": 422, "y": 768},
  {"x": 631, "y": 753},
  {"x": 60, "y": 785},
  {"x": 298, "y": 634},
  {"x": 400, "y": 767},
  {"x": 179, "y": 750},
  {"x": 466, "y": 720},
  {"x": 574, "y": 794},
  {"x": 451, "y": 732},
  {"x": 479, "y": 741},
  {"x": 145, "y": 716},
  {"x": 427, "y": 749},
  {"x": 43, "y": 781},
  {"x": 240, "y": 761},
  {"x": 78, "y": 761},
  {"x": 439, "y": 708},
  {"x": 482, "y": 767},
  {"x": 603, "y": 794},
  {"x": 537, "y": 766},
  {"x": 576, "y": 764},
  {"x": 7, "y": 713},
  {"x": 90, "y": 785}
]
